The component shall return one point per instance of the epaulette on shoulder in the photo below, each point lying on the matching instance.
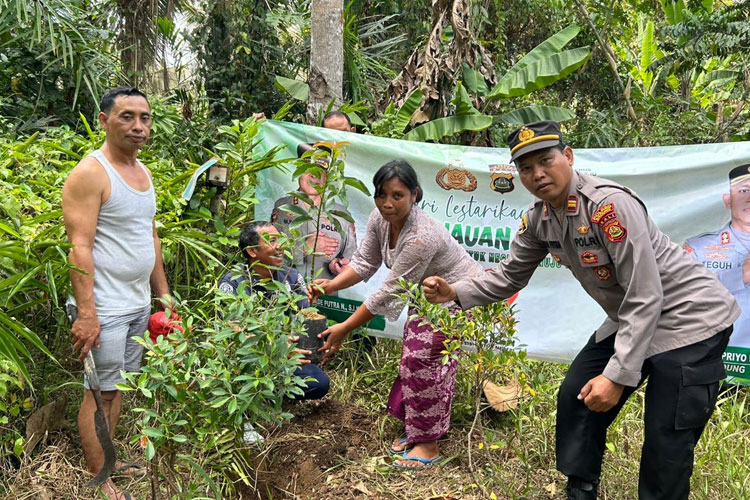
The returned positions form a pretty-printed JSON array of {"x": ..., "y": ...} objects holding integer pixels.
[
  {"x": 284, "y": 200},
  {"x": 599, "y": 192},
  {"x": 712, "y": 234}
]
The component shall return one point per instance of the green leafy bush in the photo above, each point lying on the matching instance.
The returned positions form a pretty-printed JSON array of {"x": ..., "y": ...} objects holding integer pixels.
[{"x": 200, "y": 387}]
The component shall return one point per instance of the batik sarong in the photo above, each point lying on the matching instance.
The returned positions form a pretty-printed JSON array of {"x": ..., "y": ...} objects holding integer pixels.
[{"x": 423, "y": 391}]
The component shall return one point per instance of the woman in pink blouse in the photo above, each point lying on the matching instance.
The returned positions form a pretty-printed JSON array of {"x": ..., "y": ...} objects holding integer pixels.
[{"x": 413, "y": 246}]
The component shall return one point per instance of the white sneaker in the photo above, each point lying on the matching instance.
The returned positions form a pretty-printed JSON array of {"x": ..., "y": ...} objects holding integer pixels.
[{"x": 251, "y": 436}]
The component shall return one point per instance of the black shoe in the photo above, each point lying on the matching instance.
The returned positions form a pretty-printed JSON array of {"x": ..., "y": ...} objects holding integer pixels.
[{"x": 578, "y": 489}]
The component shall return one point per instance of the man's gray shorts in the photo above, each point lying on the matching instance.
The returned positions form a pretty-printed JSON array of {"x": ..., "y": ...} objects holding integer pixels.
[{"x": 117, "y": 349}]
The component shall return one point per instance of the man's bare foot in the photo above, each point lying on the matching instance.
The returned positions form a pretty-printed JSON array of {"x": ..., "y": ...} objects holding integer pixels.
[{"x": 111, "y": 492}]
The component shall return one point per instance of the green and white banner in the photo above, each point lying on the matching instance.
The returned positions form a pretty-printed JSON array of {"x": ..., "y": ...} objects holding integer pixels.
[{"x": 476, "y": 193}]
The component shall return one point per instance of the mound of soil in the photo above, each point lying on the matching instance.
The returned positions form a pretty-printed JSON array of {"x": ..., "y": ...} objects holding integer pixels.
[{"x": 302, "y": 457}]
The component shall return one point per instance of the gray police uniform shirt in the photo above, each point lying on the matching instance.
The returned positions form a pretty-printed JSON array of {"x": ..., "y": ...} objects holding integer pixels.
[
  {"x": 347, "y": 242},
  {"x": 656, "y": 297},
  {"x": 723, "y": 253}
]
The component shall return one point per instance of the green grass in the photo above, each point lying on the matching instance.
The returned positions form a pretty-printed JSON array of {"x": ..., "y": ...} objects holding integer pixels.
[
  {"x": 518, "y": 447},
  {"x": 513, "y": 452}
]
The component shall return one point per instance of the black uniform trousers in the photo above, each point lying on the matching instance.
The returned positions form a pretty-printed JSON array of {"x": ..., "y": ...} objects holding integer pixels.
[{"x": 680, "y": 397}]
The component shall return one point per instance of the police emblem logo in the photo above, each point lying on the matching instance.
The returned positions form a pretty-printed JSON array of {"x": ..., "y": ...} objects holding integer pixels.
[
  {"x": 226, "y": 287},
  {"x": 725, "y": 239},
  {"x": 583, "y": 229},
  {"x": 524, "y": 225},
  {"x": 616, "y": 232},
  {"x": 589, "y": 257},
  {"x": 602, "y": 273},
  {"x": 525, "y": 134},
  {"x": 502, "y": 182},
  {"x": 456, "y": 178},
  {"x": 599, "y": 214}
]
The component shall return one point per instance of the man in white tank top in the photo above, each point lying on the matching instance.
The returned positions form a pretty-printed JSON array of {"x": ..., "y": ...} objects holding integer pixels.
[{"x": 108, "y": 206}]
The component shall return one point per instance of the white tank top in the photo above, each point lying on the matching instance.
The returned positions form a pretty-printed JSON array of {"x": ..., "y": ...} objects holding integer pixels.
[{"x": 123, "y": 245}]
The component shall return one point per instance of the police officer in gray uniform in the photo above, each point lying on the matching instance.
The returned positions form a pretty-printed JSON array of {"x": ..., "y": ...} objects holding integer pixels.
[
  {"x": 668, "y": 319},
  {"x": 726, "y": 252},
  {"x": 335, "y": 248}
]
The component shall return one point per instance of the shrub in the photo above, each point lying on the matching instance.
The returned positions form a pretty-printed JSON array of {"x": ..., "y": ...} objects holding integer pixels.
[{"x": 201, "y": 386}]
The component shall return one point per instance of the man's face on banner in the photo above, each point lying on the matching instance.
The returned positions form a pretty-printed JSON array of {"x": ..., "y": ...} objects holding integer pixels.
[{"x": 738, "y": 202}]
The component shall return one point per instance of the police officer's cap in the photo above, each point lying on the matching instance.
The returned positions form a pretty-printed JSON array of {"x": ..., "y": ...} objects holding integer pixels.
[
  {"x": 739, "y": 174},
  {"x": 533, "y": 137}
]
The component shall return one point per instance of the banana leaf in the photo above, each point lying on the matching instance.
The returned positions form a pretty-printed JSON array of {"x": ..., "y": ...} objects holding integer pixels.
[
  {"x": 529, "y": 114},
  {"x": 552, "y": 45},
  {"x": 411, "y": 104},
  {"x": 474, "y": 81},
  {"x": 451, "y": 125},
  {"x": 539, "y": 74},
  {"x": 298, "y": 90},
  {"x": 462, "y": 101}
]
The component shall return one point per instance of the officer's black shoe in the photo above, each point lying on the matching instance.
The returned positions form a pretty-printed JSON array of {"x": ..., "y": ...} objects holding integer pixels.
[{"x": 578, "y": 489}]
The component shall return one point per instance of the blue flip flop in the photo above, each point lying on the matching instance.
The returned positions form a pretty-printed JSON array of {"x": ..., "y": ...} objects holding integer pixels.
[
  {"x": 401, "y": 441},
  {"x": 426, "y": 463}
]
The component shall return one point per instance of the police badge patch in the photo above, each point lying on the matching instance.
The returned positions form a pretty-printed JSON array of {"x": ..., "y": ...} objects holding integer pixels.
[
  {"x": 524, "y": 225},
  {"x": 615, "y": 231},
  {"x": 589, "y": 257},
  {"x": 602, "y": 273},
  {"x": 599, "y": 214}
]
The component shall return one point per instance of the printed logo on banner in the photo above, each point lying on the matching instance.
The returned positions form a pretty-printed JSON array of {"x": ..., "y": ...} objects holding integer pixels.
[
  {"x": 455, "y": 176},
  {"x": 501, "y": 178}
]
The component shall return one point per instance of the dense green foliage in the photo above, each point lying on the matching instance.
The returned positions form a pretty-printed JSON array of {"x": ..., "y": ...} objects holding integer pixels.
[{"x": 55, "y": 60}]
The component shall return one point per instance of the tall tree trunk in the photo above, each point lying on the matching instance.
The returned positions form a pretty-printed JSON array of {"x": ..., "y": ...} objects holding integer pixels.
[{"x": 326, "y": 75}]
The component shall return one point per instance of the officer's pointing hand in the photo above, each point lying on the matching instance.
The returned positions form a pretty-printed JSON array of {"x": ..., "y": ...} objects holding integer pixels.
[
  {"x": 437, "y": 290},
  {"x": 601, "y": 394}
]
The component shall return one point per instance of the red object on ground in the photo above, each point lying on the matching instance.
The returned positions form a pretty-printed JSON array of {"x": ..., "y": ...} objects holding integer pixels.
[{"x": 159, "y": 324}]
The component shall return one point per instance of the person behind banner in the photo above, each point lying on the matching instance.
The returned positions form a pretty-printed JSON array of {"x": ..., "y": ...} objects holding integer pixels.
[
  {"x": 726, "y": 252},
  {"x": 334, "y": 248},
  {"x": 412, "y": 245},
  {"x": 338, "y": 120},
  {"x": 258, "y": 242},
  {"x": 668, "y": 319}
]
